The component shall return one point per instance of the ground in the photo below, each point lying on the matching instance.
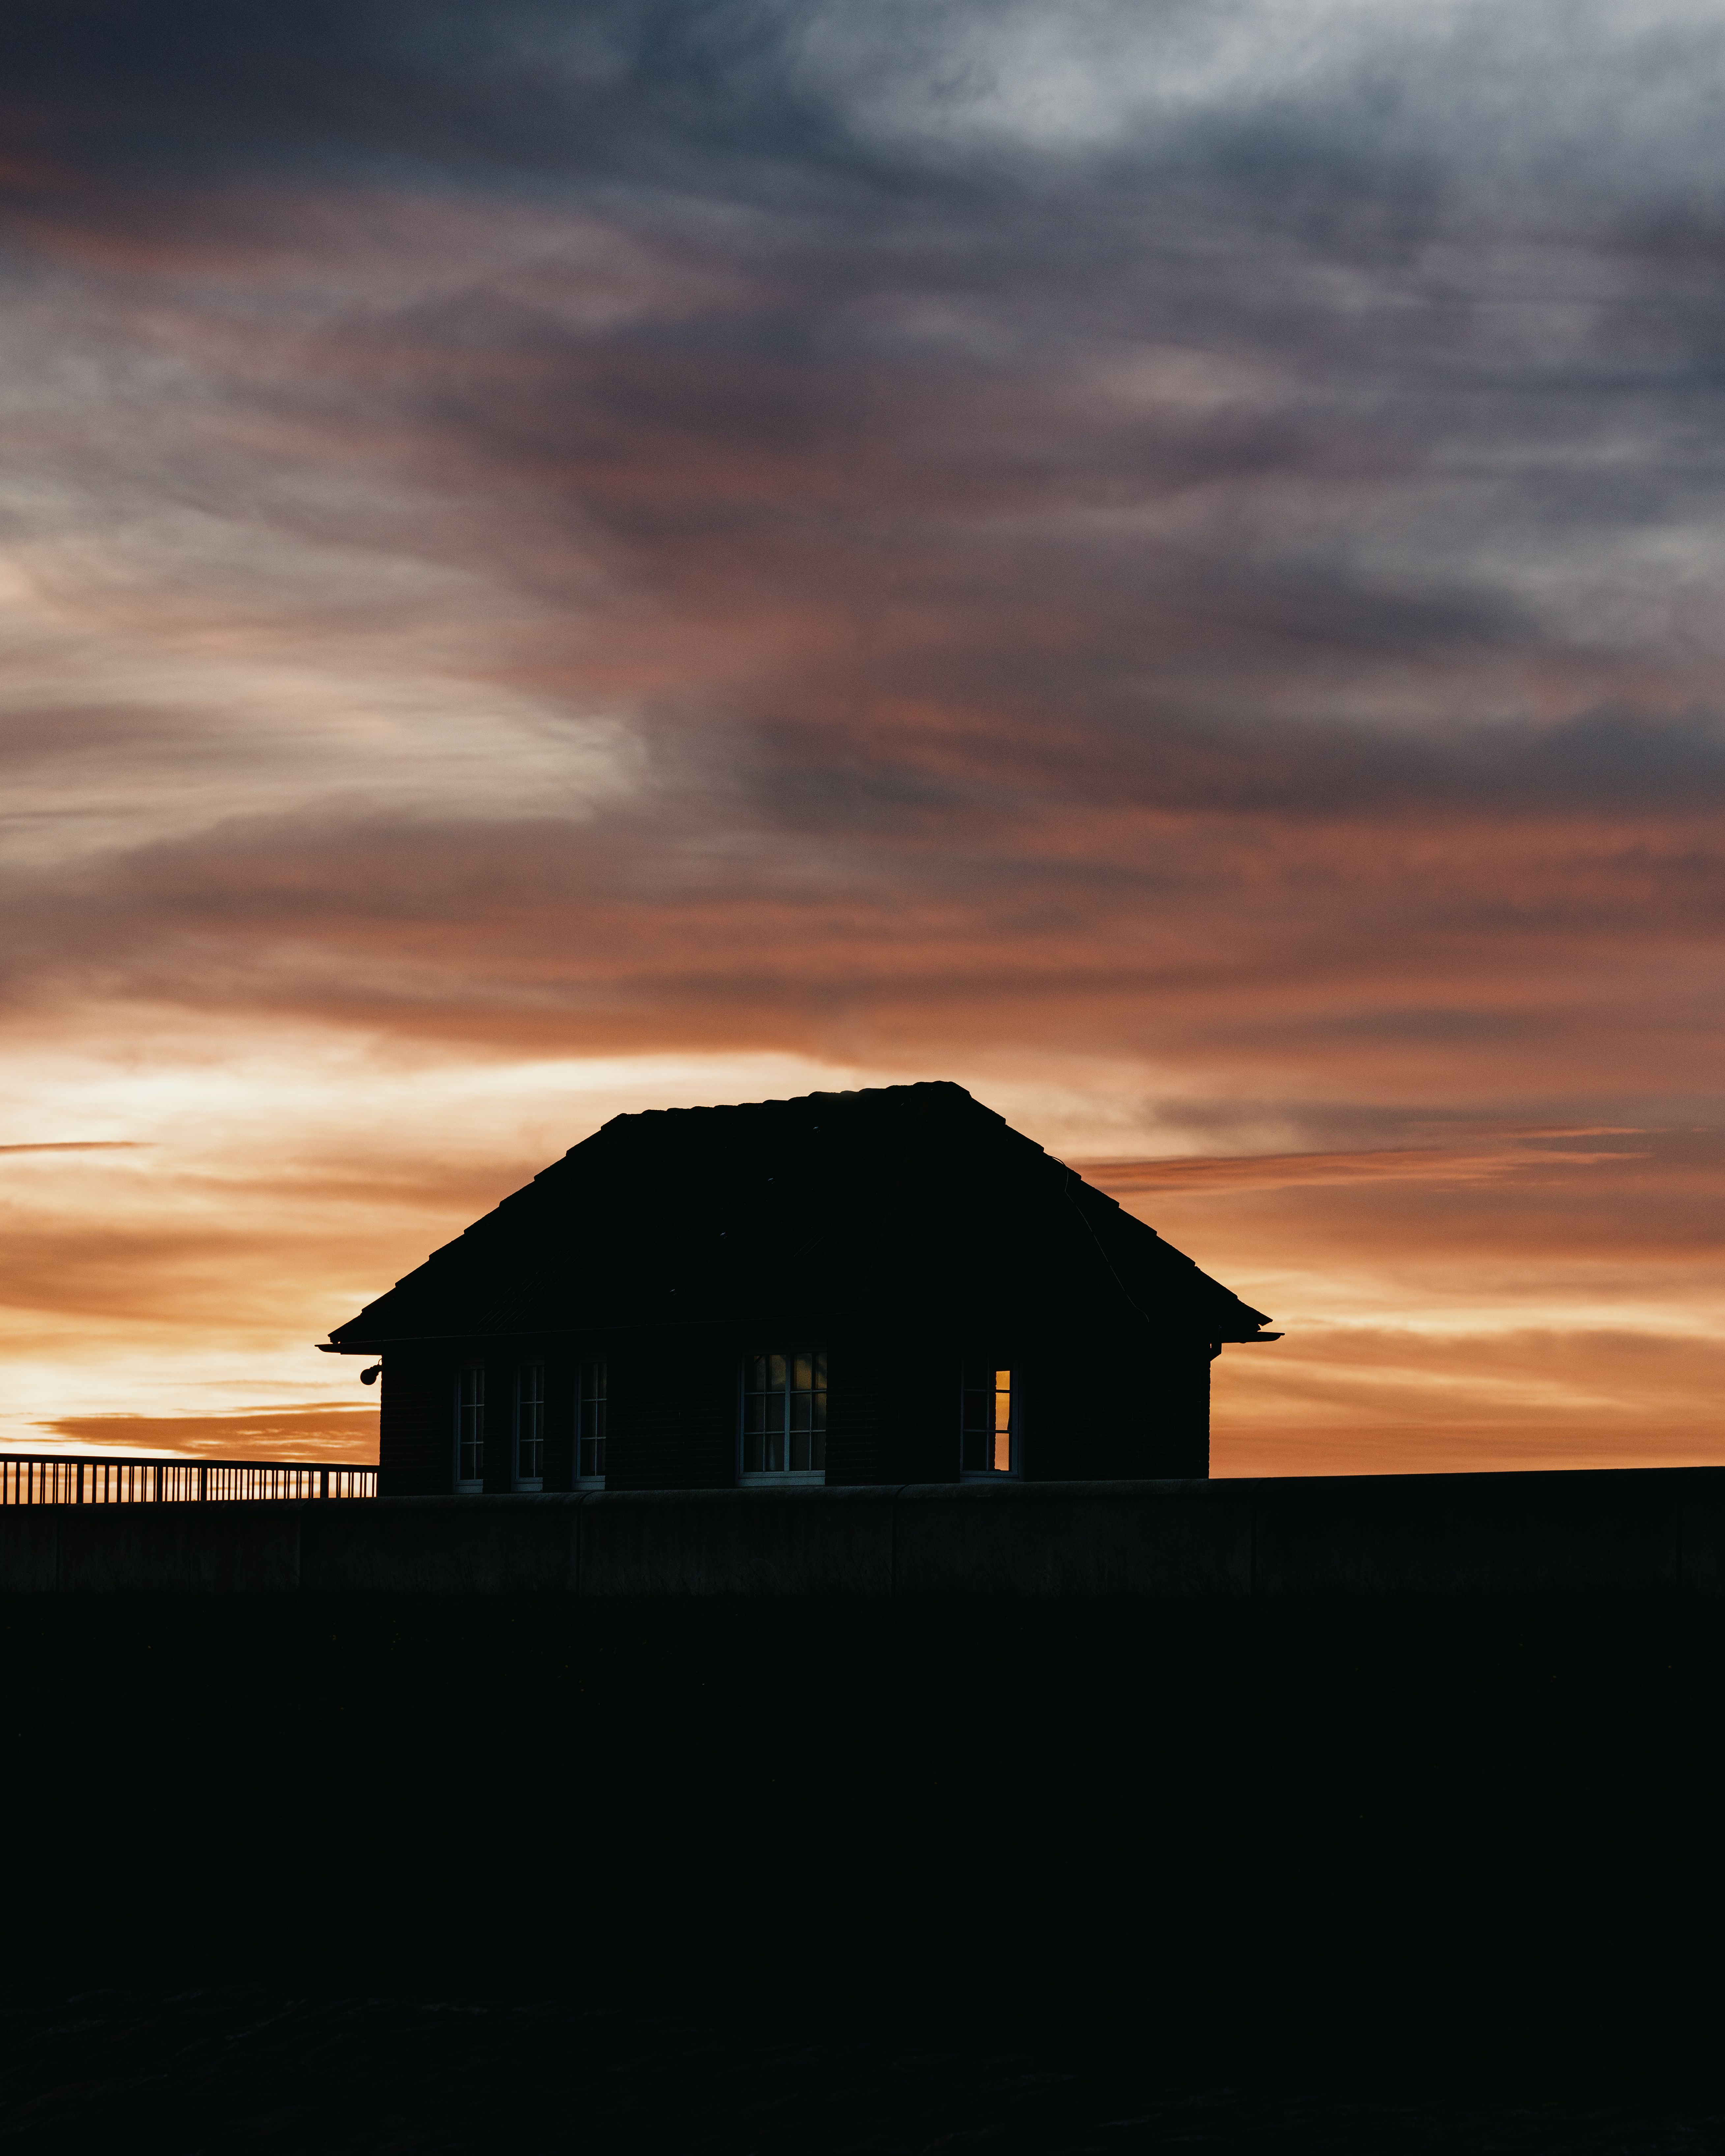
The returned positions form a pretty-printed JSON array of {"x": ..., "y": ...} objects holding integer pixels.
[{"x": 755, "y": 1875}]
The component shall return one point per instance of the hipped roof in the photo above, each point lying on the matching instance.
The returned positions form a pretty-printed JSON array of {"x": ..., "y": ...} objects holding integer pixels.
[{"x": 889, "y": 1202}]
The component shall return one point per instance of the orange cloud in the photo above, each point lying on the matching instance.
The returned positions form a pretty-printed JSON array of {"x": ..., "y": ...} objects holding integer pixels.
[
  {"x": 288, "y": 1433},
  {"x": 1389, "y": 1164}
]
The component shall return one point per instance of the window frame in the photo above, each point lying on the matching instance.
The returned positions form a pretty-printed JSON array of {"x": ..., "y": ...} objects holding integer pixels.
[
  {"x": 780, "y": 1478},
  {"x": 999, "y": 1365},
  {"x": 474, "y": 1486},
  {"x": 587, "y": 1366},
  {"x": 517, "y": 1480}
]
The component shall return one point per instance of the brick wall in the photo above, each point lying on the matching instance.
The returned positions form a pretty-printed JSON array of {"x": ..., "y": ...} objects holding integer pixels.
[
  {"x": 416, "y": 1443},
  {"x": 674, "y": 1409},
  {"x": 1114, "y": 1407}
]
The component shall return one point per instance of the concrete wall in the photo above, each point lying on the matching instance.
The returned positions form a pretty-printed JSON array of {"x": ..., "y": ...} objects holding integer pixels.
[{"x": 1649, "y": 1531}]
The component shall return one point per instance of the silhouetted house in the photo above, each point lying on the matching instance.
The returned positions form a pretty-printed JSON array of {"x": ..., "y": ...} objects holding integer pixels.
[{"x": 881, "y": 1286}]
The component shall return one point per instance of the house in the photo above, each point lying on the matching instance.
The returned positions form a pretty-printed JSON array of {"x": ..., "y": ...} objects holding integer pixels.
[{"x": 888, "y": 1286}]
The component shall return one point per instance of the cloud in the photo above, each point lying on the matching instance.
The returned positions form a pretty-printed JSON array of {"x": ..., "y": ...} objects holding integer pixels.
[
  {"x": 1510, "y": 1153},
  {"x": 78, "y": 1145},
  {"x": 324, "y": 1435},
  {"x": 1173, "y": 547}
]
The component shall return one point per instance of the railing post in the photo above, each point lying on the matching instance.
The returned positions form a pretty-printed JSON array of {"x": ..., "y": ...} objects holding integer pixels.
[
  {"x": 203, "y": 1482},
  {"x": 80, "y": 1482}
]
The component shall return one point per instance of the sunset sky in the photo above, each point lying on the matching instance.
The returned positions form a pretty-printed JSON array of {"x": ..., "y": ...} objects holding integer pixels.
[{"x": 1161, "y": 560}]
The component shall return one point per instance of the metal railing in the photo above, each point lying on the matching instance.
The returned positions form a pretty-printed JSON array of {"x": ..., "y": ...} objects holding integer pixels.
[{"x": 60, "y": 1478}]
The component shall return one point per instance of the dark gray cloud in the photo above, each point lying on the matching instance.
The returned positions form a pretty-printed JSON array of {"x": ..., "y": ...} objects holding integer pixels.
[{"x": 737, "y": 496}]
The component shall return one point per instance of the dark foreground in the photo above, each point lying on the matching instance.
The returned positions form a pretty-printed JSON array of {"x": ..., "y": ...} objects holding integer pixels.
[
  {"x": 844, "y": 1876},
  {"x": 271, "y": 2072}
]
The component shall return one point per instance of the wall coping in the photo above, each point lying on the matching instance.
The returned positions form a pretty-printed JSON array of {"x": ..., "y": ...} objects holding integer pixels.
[{"x": 1641, "y": 1531}]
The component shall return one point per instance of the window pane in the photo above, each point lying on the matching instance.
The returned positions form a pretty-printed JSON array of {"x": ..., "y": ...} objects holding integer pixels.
[
  {"x": 530, "y": 1421},
  {"x": 975, "y": 1414},
  {"x": 470, "y": 1423},
  {"x": 590, "y": 1422},
  {"x": 985, "y": 1417},
  {"x": 784, "y": 1411}
]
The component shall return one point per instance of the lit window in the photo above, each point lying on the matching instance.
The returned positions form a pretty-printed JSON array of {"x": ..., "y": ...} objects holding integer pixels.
[
  {"x": 784, "y": 1413},
  {"x": 590, "y": 1424},
  {"x": 471, "y": 1426},
  {"x": 988, "y": 1431},
  {"x": 530, "y": 1426}
]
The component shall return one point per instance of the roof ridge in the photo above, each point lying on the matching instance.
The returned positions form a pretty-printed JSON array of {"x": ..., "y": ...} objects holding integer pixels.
[{"x": 795, "y": 1101}]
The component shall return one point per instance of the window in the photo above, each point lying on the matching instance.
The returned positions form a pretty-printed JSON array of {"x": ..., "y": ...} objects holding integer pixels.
[
  {"x": 987, "y": 1431},
  {"x": 590, "y": 1424},
  {"x": 784, "y": 1413},
  {"x": 530, "y": 1426},
  {"x": 471, "y": 1426}
]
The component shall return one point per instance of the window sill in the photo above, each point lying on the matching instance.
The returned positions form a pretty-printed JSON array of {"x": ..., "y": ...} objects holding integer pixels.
[
  {"x": 589, "y": 1481},
  {"x": 811, "y": 1477},
  {"x": 469, "y": 1489},
  {"x": 989, "y": 1475},
  {"x": 529, "y": 1489}
]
